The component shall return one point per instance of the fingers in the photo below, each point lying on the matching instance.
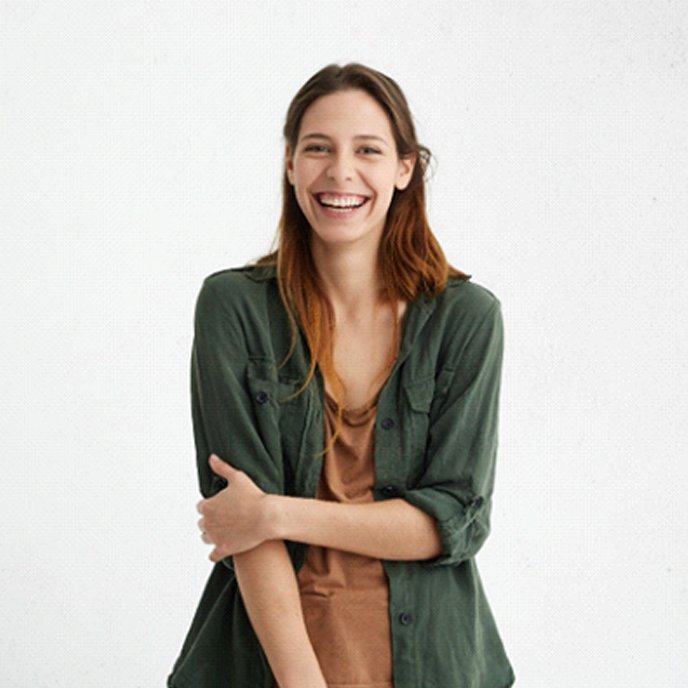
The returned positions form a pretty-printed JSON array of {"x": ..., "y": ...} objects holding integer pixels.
[
  {"x": 217, "y": 465},
  {"x": 201, "y": 523},
  {"x": 223, "y": 468},
  {"x": 204, "y": 536}
]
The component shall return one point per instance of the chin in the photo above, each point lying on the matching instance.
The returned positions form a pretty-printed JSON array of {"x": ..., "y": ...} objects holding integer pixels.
[{"x": 339, "y": 237}]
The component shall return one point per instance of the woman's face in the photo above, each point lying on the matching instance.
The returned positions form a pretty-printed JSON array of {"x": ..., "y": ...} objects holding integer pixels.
[{"x": 345, "y": 156}]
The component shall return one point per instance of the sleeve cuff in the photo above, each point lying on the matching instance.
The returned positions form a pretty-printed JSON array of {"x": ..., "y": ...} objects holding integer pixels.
[{"x": 456, "y": 522}]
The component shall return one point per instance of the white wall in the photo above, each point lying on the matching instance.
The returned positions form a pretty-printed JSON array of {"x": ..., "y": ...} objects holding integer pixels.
[{"x": 140, "y": 150}]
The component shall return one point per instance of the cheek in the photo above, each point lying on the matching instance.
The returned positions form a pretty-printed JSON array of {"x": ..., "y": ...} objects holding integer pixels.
[
  {"x": 304, "y": 201},
  {"x": 383, "y": 181},
  {"x": 302, "y": 188},
  {"x": 384, "y": 189},
  {"x": 306, "y": 170}
]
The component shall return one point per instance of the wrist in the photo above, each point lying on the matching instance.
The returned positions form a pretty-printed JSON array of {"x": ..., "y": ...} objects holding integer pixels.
[{"x": 274, "y": 509}]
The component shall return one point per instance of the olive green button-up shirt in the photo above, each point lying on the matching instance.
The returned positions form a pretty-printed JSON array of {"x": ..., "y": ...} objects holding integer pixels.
[{"x": 435, "y": 446}]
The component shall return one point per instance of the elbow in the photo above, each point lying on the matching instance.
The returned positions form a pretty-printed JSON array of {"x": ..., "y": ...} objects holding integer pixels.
[
  {"x": 436, "y": 542},
  {"x": 458, "y": 545},
  {"x": 460, "y": 524}
]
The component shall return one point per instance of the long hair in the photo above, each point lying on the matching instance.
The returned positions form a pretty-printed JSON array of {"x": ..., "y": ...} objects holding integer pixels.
[{"x": 410, "y": 259}]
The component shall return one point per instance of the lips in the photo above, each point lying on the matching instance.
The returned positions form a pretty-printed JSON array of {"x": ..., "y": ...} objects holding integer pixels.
[{"x": 340, "y": 200}]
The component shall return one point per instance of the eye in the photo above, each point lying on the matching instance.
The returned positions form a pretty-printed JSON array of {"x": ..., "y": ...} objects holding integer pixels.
[
  {"x": 314, "y": 147},
  {"x": 370, "y": 149}
]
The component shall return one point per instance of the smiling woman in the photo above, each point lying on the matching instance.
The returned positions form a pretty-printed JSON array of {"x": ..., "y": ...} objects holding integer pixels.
[
  {"x": 344, "y": 185},
  {"x": 342, "y": 176},
  {"x": 349, "y": 384}
]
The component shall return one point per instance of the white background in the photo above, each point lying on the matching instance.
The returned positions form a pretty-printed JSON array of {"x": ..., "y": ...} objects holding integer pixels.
[{"x": 140, "y": 150}]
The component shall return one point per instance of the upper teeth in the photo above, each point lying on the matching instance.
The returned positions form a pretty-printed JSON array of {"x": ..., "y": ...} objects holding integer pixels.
[{"x": 342, "y": 201}]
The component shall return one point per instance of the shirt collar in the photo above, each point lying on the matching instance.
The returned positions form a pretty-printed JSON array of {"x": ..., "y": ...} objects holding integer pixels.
[{"x": 417, "y": 313}]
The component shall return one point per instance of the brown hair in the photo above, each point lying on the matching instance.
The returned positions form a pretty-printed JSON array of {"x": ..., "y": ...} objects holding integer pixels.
[{"x": 410, "y": 258}]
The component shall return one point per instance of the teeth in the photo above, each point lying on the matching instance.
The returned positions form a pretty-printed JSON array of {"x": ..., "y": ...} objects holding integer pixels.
[{"x": 341, "y": 202}]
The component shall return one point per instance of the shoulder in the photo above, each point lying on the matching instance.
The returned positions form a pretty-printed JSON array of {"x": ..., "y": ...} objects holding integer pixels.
[
  {"x": 240, "y": 278},
  {"x": 465, "y": 317},
  {"x": 466, "y": 299},
  {"x": 235, "y": 287}
]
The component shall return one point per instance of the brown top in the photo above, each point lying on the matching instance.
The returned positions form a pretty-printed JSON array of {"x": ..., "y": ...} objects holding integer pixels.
[{"x": 345, "y": 596}]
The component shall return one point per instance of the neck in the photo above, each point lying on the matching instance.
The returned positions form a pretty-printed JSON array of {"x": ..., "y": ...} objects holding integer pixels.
[{"x": 350, "y": 277}]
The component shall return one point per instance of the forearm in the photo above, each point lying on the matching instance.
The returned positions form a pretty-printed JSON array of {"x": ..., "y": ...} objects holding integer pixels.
[
  {"x": 391, "y": 529},
  {"x": 269, "y": 589}
]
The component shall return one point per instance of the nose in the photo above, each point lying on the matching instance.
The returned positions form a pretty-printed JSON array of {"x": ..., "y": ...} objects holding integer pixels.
[{"x": 341, "y": 167}]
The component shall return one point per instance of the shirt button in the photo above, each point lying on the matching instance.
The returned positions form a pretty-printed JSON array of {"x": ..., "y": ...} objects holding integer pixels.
[
  {"x": 478, "y": 501},
  {"x": 405, "y": 618},
  {"x": 388, "y": 423},
  {"x": 261, "y": 397},
  {"x": 389, "y": 490}
]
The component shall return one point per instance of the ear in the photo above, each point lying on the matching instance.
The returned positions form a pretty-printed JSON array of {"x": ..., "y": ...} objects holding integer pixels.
[
  {"x": 405, "y": 170},
  {"x": 289, "y": 164}
]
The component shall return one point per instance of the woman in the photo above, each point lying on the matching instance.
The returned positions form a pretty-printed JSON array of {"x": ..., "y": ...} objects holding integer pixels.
[{"x": 345, "y": 394}]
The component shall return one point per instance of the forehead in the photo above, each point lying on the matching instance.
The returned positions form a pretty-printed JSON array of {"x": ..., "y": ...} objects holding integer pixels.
[{"x": 346, "y": 113}]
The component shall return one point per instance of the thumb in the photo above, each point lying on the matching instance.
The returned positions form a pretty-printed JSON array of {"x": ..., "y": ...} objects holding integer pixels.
[{"x": 221, "y": 467}]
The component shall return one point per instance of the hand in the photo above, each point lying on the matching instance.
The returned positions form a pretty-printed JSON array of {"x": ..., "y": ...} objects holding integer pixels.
[{"x": 235, "y": 519}]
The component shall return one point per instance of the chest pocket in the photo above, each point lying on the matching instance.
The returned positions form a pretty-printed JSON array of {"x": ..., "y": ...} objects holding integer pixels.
[
  {"x": 418, "y": 393},
  {"x": 280, "y": 416},
  {"x": 263, "y": 388},
  {"x": 424, "y": 396}
]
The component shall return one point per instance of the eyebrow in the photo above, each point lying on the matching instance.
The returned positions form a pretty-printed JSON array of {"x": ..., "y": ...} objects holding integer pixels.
[{"x": 317, "y": 135}]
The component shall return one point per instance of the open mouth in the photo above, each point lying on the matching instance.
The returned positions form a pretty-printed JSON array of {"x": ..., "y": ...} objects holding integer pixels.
[{"x": 340, "y": 206}]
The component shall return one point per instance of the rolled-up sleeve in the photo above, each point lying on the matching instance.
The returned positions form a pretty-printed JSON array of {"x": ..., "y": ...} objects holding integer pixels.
[
  {"x": 456, "y": 487},
  {"x": 221, "y": 407}
]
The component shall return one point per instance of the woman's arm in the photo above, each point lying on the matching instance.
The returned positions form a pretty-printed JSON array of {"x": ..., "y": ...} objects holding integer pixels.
[
  {"x": 269, "y": 589},
  {"x": 390, "y": 529},
  {"x": 224, "y": 422}
]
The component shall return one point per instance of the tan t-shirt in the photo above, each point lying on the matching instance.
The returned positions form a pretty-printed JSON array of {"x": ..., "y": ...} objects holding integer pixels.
[{"x": 345, "y": 596}]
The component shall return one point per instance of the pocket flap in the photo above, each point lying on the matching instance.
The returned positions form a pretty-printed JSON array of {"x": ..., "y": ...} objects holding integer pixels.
[{"x": 420, "y": 392}]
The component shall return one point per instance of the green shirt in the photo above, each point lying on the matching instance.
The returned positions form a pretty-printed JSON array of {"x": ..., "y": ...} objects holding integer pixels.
[{"x": 435, "y": 446}]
